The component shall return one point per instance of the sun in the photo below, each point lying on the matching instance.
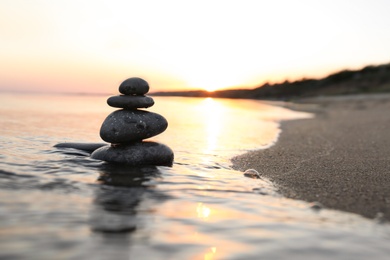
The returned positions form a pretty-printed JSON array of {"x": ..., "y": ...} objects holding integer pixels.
[
  {"x": 213, "y": 75},
  {"x": 211, "y": 84},
  {"x": 211, "y": 88}
]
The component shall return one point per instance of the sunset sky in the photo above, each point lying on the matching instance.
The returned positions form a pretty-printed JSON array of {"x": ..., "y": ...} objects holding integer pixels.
[{"x": 90, "y": 46}]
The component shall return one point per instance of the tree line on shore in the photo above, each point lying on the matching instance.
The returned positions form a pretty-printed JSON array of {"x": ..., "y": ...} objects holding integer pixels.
[{"x": 370, "y": 79}]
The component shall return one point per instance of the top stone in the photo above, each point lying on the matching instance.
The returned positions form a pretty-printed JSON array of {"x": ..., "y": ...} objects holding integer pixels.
[{"x": 134, "y": 86}]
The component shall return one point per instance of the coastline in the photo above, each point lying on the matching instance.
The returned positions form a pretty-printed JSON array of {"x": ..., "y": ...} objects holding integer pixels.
[{"x": 340, "y": 158}]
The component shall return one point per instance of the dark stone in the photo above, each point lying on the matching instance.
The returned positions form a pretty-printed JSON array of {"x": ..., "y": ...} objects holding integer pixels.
[
  {"x": 130, "y": 102},
  {"x": 136, "y": 154},
  {"x": 134, "y": 86},
  {"x": 124, "y": 126},
  {"x": 251, "y": 173},
  {"x": 88, "y": 147}
]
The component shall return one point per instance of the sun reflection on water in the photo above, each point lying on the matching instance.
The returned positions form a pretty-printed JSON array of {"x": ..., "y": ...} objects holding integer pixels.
[
  {"x": 220, "y": 128},
  {"x": 203, "y": 211},
  {"x": 213, "y": 114},
  {"x": 210, "y": 254}
]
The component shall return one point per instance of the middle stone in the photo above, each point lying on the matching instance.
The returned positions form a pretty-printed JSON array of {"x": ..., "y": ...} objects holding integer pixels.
[{"x": 125, "y": 126}]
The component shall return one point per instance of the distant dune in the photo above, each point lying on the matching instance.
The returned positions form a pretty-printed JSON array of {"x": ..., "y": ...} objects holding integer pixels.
[{"x": 371, "y": 79}]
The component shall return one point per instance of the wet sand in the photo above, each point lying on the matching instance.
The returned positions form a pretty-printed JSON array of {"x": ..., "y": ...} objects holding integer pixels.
[{"x": 340, "y": 158}]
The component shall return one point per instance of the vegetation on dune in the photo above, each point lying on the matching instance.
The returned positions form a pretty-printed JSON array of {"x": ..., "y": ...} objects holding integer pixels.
[{"x": 371, "y": 79}]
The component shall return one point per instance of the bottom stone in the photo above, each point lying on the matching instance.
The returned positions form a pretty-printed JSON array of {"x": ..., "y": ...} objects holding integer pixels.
[{"x": 136, "y": 154}]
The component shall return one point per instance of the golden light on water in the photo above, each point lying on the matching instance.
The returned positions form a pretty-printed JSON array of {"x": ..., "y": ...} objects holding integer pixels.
[
  {"x": 203, "y": 211},
  {"x": 210, "y": 254},
  {"x": 213, "y": 116},
  {"x": 221, "y": 127}
]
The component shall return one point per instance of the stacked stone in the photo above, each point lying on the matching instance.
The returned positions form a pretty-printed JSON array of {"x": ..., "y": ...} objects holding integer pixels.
[{"x": 127, "y": 128}]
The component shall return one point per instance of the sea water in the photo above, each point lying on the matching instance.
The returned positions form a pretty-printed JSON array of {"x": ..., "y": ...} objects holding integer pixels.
[{"x": 61, "y": 204}]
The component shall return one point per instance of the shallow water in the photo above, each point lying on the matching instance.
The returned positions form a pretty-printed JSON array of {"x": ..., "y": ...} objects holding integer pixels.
[{"x": 60, "y": 204}]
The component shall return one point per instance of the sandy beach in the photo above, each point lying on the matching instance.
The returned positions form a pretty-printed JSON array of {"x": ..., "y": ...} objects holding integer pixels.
[{"x": 340, "y": 158}]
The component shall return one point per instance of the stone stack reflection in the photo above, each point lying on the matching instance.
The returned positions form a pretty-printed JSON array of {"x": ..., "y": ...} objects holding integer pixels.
[{"x": 127, "y": 128}]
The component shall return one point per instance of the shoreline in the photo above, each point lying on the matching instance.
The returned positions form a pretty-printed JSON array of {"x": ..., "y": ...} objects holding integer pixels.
[{"x": 340, "y": 158}]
